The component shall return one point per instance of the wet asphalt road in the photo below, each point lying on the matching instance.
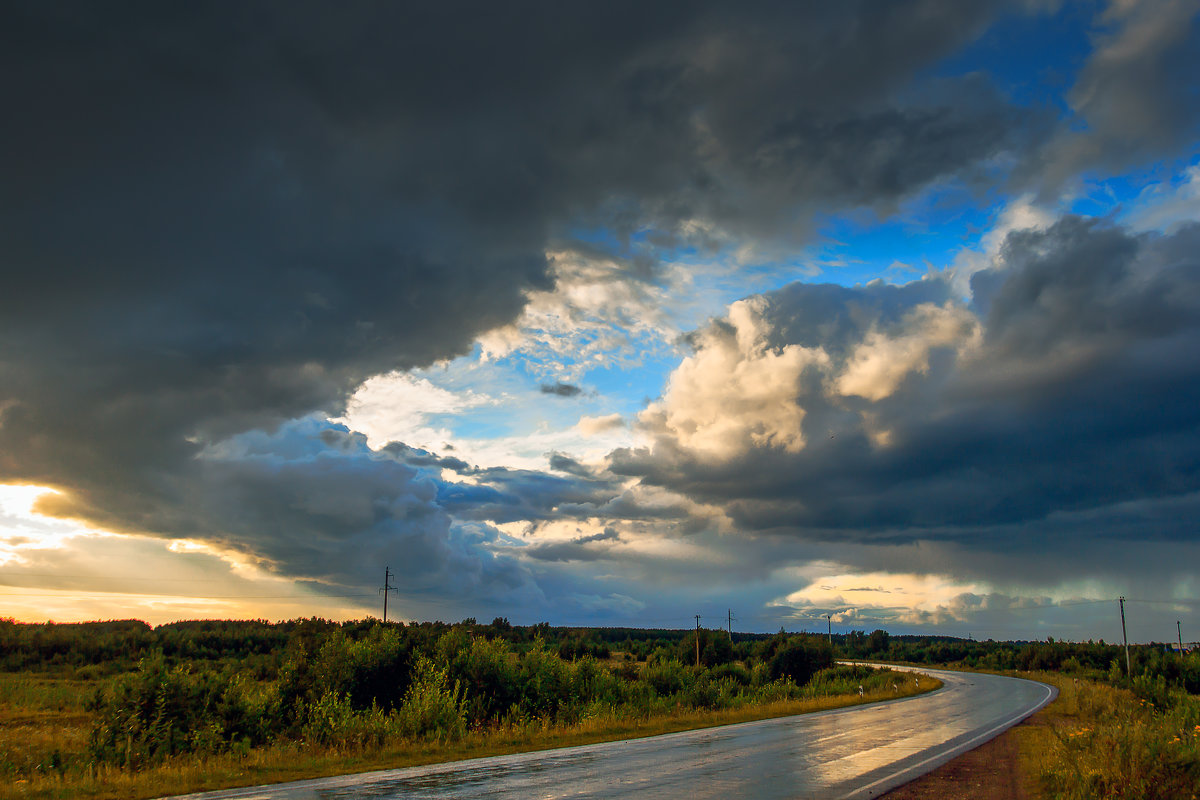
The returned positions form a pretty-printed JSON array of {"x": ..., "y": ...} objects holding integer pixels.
[{"x": 858, "y": 752}]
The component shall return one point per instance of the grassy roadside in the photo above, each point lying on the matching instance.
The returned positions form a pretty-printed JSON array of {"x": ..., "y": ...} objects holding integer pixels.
[
  {"x": 1097, "y": 742},
  {"x": 293, "y": 761}
]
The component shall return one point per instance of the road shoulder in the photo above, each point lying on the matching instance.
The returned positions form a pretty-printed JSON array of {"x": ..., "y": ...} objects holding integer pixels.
[{"x": 992, "y": 771}]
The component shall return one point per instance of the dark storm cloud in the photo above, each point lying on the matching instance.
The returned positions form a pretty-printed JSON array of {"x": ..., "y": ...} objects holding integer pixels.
[
  {"x": 560, "y": 462},
  {"x": 311, "y": 499},
  {"x": 423, "y": 458},
  {"x": 1145, "y": 545},
  {"x": 561, "y": 389},
  {"x": 1083, "y": 393},
  {"x": 497, "y": 494},
  {"x": 218, "y": 218},
  {"x": 581, "y": 548},
  {"x": 508, "y": 495},
  {"x": 1135, "y": 97}
]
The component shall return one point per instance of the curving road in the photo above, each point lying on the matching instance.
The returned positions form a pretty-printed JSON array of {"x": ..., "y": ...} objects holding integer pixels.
[{"x": 849, "y": 753}]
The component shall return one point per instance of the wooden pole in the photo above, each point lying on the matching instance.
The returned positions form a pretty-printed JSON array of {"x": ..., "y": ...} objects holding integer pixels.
[{"x": 1128, "y": 669}]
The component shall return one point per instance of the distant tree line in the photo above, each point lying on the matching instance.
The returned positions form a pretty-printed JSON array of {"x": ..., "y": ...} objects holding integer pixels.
[
  {"x": 262, "y": 647},
  {"x": 1085, "y": 659},
  {"x": 118, "y": 645}
]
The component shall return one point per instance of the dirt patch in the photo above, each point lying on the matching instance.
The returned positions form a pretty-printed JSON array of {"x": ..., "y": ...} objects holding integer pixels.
[{"x": 991, "y": 771}]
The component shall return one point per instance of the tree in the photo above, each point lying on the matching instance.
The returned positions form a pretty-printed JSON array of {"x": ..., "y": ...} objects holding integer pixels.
[{"x": 799, "y": 658}]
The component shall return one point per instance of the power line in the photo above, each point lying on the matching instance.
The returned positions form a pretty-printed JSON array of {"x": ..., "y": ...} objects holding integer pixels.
[{"x": 1164, "y": 602}]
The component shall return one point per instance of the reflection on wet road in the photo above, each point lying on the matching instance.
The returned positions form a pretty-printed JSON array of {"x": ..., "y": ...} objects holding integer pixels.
[{"x": 856, "y": 752}]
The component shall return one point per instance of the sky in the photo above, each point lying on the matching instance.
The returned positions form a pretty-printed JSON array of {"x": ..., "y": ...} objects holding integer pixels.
[{"x": 790, "y": 315}]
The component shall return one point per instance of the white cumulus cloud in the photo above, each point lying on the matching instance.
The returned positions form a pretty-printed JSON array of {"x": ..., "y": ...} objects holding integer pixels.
[
  {"x": 737, "y": 391},
  {"x": 883, "y": 360}
]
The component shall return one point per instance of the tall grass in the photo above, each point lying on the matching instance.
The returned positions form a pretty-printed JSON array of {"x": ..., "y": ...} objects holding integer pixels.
[
  {"x": 1099, "y": 742},
  {"x": 44, "y": 725}
]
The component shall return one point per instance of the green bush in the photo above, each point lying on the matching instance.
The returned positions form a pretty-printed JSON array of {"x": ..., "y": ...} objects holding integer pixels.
[
  {"x": 782, "y": 689},
  {"x": 545, "y": 682},
  {"x": 702, "y": 692},
  {"x": 332, "y": 721},
  {"x": 1153, "y": 690},
  {"x": 371, "y": 671},
  {"x": 666, "y": 678},
  {"x": 799, "y": 658},
  {"x": 592, "y": 683},
  {"x": 431, "y": 708},
  {"x": 733, "y": 671},
  {"x": 158, "y": 712},
  {"x": 486, "y": 670},
  {"x": 627, "y": 670},
  {"x": 846, "y": 679},
  {"x": 715, "y": 648}
]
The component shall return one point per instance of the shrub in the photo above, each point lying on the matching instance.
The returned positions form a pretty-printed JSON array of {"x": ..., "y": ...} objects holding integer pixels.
[
  {"x": 1153, "y": 690},
  {"x": 782, "y": 689},
  {"x": 367, "y": 672},
  {"x": 626, "y": 670},
  {"x": 431, "y": 708},
  {"x": 799, "y": 659},
  {"x": 701, "y": 692},
  {"x": 157, "y": 712},
  {"x": 846, "y": 679},
  {"x": 332, "y": 721},
  {"x": 715, "y": 648},
  {"x": 373, "y": 670},
  {"x": 666, "y": 677},
  {"x": 486, "y": 670},
  {"x": 544, "y": 680},
  {"x": 592, "y": 683},
  {"x": 733, "y": 671}
]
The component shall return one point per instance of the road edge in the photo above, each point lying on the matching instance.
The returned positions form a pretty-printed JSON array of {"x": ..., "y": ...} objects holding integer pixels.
[{"x": 914, "y": 771}]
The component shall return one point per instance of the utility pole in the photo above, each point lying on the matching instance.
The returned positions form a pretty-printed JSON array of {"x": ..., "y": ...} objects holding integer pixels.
[
  {"x": 1179, "y": 633},
  {"x": 829, "y": 632},
  {"x": 1128, "y": 669},
  {"x": 697, "y": 641},
  {"x": 731, "y": 627},
  {"x": 387, "y": 587}
]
